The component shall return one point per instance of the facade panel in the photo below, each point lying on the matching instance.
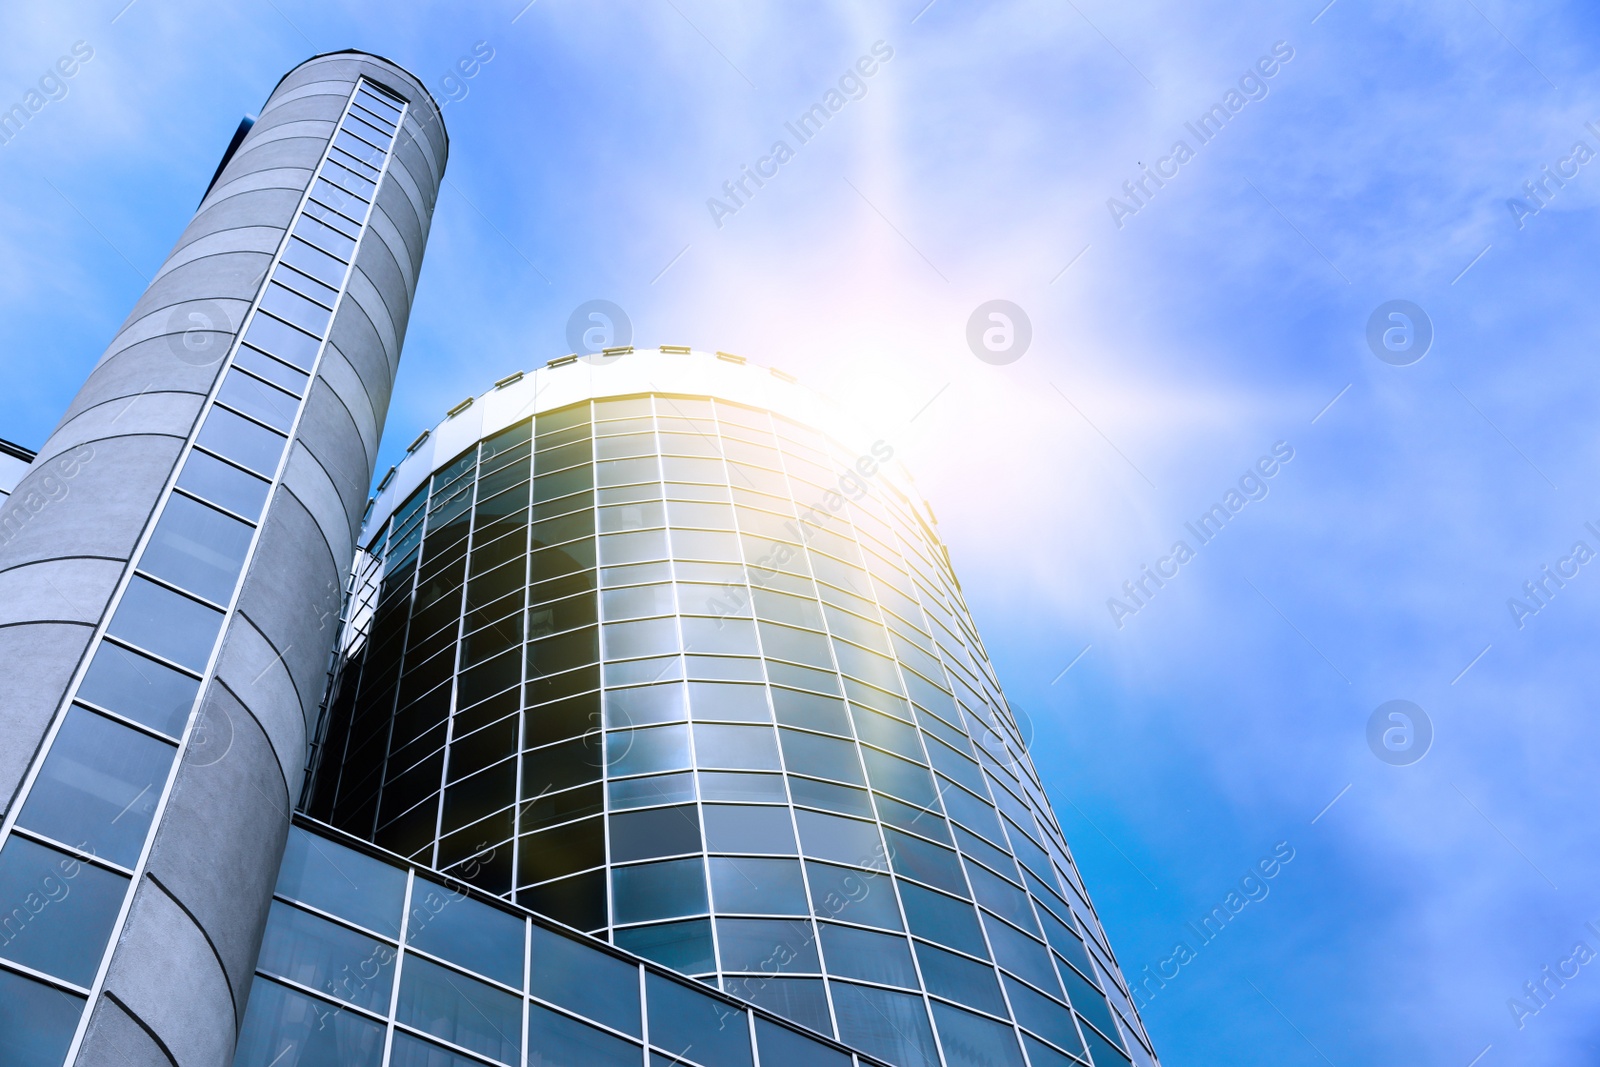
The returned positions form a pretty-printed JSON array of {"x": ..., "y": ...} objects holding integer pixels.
[
  {"x": 643, "y": 650},
  {"x": 154, "y": 731}
]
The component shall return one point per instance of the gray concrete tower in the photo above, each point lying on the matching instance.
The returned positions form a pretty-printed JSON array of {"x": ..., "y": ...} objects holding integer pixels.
[{"x": 167, "y": 608}]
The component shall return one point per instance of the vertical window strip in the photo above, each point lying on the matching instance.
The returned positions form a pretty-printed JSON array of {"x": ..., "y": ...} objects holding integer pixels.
[{"x": 141, "y": 566}]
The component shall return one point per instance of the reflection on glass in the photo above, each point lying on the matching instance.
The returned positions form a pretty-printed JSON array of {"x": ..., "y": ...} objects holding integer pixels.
[{"x": 98, "y": 788}]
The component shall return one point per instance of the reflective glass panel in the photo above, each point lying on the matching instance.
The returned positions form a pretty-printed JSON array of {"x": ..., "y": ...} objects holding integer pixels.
[
  {"x": 683, "y": 946},
  {"x": 98, "y": 788},
  {"x": 558, "y": 1041},
  {"x": 460, "y": 1009},
  {"x": 891, "y": 1026},
  {"x": 241, "y": 440},
  {"x": 658, "y": 890},
  {"x": 197, "y": 548},
  {"x": 757, "y": 886},
  {"x": 584, "y": 979},
  {"x": 466, "y": 931},
  {"x": 56, "y": 912},
  {"x": 285, "y": 1028},
  {"x": 783, "y": 1047},
  {"x": 139, "y": 687},
  {"x": 682, "y": 1018},
  {"x": 327, "y": 957},
  {"x": 167, "y": 623},
  {"x": 972, "y": 1041},
  {"x": 872, "y": 957},
  {"x": 224, "y": 484},
  {"x": 36, "y": 1022},
  {"x": 343, "y": 882}
]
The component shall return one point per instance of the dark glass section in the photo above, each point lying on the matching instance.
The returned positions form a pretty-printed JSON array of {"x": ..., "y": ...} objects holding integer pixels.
[
  {"x": 36, "y": 1022},
  {"x": 316, "y": 1031}
]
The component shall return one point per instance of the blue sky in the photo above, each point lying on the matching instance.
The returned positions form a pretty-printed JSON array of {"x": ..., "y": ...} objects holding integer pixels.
[{"x": 1167, "y": 356}]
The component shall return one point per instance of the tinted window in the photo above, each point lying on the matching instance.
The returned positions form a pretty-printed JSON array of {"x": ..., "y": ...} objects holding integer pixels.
[
  {"x": 681, "y": 1018},
  {"x": 241, "y": 440},
  {"x": 256, "y": 398},
  {"x": 140, "y": 688},
  {"x": 683, "y": 946},
  {"x": 562, "y": 1042},
  {"x": 865, "y": 897},
  {"x": 320, "y": 1034},
  {"x": 891, "y": 1026},
  {"x": 166, "y": 623},
  {"x": 972, "y": 1041},
  {"x": 98, "y": 787},
  {"x": 56, "y": 912},
  {"x": 224, "y": 484},
  {"x": 757, "y": 886},
  {"x": 658, "y": 890},
  {"x": 342, "y": 881},
  {"x": 459, "y": 1009},
  {"x": 584, "y": 979},
  {"x": 197, "y": 548},
  {"x": 36, "y": 1022},
  {"x": 783, "y": 1047},
  {"x": 327, "y": 957},
  {"x": 741, "y": 828},
  {"x": 466, "y": 931},
  {"x": 872, "y": 957}
]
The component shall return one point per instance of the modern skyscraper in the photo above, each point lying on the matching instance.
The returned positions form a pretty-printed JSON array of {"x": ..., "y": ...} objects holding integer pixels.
[
  {"x": 657, "y": 729},
  {"x": 661, "y": 650},
  {"x": 169, "y": 608}
]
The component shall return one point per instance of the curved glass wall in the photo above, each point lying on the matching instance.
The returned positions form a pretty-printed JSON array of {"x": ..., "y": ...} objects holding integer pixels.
[{"x": 697, "y": 679}]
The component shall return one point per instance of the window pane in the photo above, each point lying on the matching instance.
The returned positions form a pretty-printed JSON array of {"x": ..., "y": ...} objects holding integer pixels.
[
  {"x": 98, "y": 787},
  {"x": 770, "y": 946},
  {"x": 891, "y": 1026},
  {"x": 283, "y": 1028},
  {"x": 303, "y": 283},
  {"x": 651, "y": 637},
  {"x": 659, "y": 890},
  {"x": 272, "y": 370},
  {"x": 290, "y": 305},
  {"x": 558, "y": 1041},
  {"x": 640, "y": 835},
  {"x": 241, "y": 440},
  {"x": 662, "y": 748},
  {"x": 830, "y": 837},
  {"x": 681, "y": 1018},
  {"x": 282, "y": 340},
  {"x": 881, "y": 958},
  {"x": 821, "y": 757},
  {"x": 56, "y": 912},
  {"x": 459, "y": 1009},
  {"x": 972, "y": 1041},
  {"x": 753, "y": 748},
  {"x": 645, "y": 705},
  {"x": 36, "y": 1022},
  {"x": 967, "y": 981},
  {"x": 657, "y": 789},
  {"x": 738, "y": 828},
  {"x": 259, "y": 400},
  {"x": 144, "y": 690},
  {"x": 757, "y": 886},
  {"x": 584, "y": 979},
  {"x": 326, "y": 237},
  {"x": 783, "y": 1047},
  {"x": 1045, "y": 1017},
  {"x": 314, "y": 262},
  {"x": 737, "y": 785},
  {"x": 865, "y": 897},
  {"x": 942, "y": 919},
  {"x": 343, "y": 882},
  {"x": 327, "y": 957},
  {"x": 685, "y": 946},
  {"x": 411, "y": 1051},
  {"x": 166, "y": 623},
  {"x": 224, "y": 484},
  {"x": 466, "y": 931},
  {"x": 197, "y": 548}
]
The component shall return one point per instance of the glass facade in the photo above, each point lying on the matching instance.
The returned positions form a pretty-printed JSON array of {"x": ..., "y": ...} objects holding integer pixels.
[
  {"x": 688, "y": 675},
  {"x": 369, "y": 961},
  {"x": 77, "y": 836}
]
